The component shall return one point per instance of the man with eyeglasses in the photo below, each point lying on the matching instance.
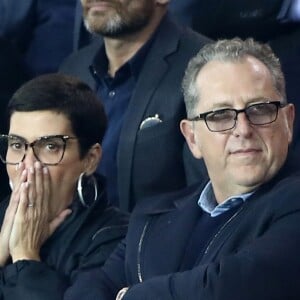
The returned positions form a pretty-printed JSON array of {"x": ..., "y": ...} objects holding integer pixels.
[{"x": 236, "y": 236}]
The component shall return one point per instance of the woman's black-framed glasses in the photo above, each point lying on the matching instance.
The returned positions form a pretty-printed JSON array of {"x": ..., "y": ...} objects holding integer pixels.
[
  {"x": 225, "y": 119},
  {"x": 49, "y": 150}
]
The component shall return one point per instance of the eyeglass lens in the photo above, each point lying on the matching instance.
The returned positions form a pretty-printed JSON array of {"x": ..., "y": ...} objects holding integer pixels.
[
  {"x": 257, "y": 114},
  {"x": 48, "y": 150}
]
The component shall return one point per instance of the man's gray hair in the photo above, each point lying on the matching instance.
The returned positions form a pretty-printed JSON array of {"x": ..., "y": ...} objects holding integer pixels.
[{"x": 229, "y": 50}]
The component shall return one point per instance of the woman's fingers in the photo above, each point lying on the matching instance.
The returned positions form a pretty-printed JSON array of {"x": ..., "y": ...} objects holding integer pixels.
[
  {"x": 24, "y": 200},
  {"x": 15, "y": 198},
  {"x": 9, "y": 216},
  {"x": 18, "y": 241},
  {"x": 31, "y": 227},
  {"x": 31, "y": 179},
  {"x": 46, "y": 190},
  {"x": 21, "y": 177},
  {"x": 39, "y": 191}
]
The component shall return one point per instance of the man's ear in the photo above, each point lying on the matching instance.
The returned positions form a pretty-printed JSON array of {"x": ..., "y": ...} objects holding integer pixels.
[
  {"x": 92, "y": 159},
  {"x": 188, "y": 132},
  {"x": 290, "y": 117}
]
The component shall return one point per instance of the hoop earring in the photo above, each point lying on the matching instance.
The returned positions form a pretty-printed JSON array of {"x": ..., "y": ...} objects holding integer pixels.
[
  {"x": 90, "y": 180},
  {"x": 11, "y": 185}
]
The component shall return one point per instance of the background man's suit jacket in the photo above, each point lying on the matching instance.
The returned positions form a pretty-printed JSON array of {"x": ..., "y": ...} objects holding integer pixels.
[{"x": 150, "y": 161}]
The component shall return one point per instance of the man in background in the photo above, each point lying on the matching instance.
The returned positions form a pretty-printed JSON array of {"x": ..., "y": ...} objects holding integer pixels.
[{"x": 136, "y": 65}]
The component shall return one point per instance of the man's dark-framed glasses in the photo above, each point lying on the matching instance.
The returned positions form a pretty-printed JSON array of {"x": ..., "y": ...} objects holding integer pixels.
[
  {"x": 225, "y": 119},
  {"x": 49, "y": 150}
]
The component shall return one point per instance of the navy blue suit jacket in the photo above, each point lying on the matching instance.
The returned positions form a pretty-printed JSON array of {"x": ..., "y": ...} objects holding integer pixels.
[{"x": 254, "y": 255}]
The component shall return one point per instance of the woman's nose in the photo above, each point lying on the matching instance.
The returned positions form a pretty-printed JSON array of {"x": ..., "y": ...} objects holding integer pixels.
[{"x": 29, "y": 158}]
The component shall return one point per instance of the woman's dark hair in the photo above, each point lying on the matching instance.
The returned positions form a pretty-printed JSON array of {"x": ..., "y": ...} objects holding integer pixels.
[{"x": 65, "y": 95}]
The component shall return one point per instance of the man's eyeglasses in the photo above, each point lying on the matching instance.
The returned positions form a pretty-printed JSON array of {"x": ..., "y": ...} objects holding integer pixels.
[
  {"x": 225, "y": 119},
  {"x": 49, "y": 150}
]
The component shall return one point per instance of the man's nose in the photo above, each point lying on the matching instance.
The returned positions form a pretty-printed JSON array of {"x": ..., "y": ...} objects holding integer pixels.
[{"x": 242, "y": 125}]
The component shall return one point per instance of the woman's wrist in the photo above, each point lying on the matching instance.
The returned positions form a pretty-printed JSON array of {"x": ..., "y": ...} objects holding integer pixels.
[
  {"x": 25, "y": 256},
  {"x": 3, "y": 260}
]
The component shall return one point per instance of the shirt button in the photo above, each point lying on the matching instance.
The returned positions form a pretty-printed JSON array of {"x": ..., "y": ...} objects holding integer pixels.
[{"x": 111, "y": 94}]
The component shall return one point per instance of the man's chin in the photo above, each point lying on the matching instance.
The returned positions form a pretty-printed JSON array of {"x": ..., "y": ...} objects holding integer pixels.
[{"x": 249, "y": 177}]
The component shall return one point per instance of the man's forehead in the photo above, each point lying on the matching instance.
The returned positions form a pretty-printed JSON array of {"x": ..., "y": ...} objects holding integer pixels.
[
  {"x": 247, "y": 62},
  {"x": 224, "y": 81}
]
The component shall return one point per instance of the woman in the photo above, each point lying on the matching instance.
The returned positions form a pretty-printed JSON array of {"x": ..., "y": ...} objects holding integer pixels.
[{"x": 57, "y": 221}]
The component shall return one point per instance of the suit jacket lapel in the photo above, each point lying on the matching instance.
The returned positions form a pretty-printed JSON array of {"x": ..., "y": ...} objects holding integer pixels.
[
  {"x": 155, "y": 67},
  {"x": 91, "y": 56}
]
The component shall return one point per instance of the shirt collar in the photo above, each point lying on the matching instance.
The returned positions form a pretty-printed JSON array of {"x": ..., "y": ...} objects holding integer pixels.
[
  {"x": 134, "y": 65},
  {"x": 208, "y": 202}
]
